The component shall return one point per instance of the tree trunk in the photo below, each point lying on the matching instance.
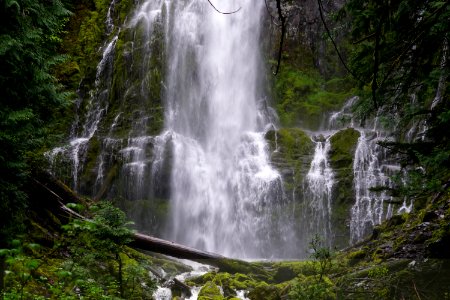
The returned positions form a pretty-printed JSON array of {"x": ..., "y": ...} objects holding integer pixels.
[{"x": 57, "y": 195}]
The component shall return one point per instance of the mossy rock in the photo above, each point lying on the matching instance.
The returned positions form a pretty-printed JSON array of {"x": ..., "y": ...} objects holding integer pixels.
[
  {"x": 210, "y": 291},
  {"x": 234, "y": 266},
  {"x": 291, "y": 142},
  {"x": 341, "y": 155},
  {"x": 288, "y": 270},
  {"x": 312, "y": 287},
  {"x": 265, "y": 291},
  {"x": 343, "y": 146},
  {"x": 291, "y": 154},
  {"x": 304, "y": 97},
  {"x": 358, "y": 254}
]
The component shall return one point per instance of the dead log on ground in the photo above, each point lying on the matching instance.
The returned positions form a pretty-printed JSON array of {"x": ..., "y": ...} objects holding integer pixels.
[{"x": 56, "y": 195}]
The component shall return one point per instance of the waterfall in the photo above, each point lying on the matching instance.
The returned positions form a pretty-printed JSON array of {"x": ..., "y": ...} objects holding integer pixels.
[
  {"x": 110, "y": 147},
  {"x": 82, "y": 131},
  {"x": 369, "y": 172},
  {"x": 318, "y": 193},
  {"x": 224, "y": 192},
  {"x": 173, "y": 130},
  {"x": 209, "y": 165}
]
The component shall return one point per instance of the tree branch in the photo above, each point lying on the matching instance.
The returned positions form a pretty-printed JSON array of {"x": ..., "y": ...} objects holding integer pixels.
[
  {"x": 221, "y": 12},
  {"x": 283, "y": 32},
  {"x": 334, "y": 43},
  {"x": 272, "y": 18},
  {"x": 376, "y": 65}
]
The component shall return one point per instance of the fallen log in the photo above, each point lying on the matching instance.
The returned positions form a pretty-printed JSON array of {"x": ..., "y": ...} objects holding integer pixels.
[
  {"x": 149, "y": 243},
  {"x": 57, "y": 195}
]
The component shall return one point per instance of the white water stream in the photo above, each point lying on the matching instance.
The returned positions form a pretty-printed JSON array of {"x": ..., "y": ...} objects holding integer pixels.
[
  {"x": 369, "y": 172},
  {"x": 318, "y": 193},
  {"x": 224, "y": 191}
]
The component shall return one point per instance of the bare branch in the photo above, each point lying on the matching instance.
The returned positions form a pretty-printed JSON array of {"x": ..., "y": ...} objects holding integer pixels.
[
  {"x": 224, "y": 13},
  {"x": 272, "y": 18},
  {"x": 334, "y": 43},
  {"x": 283, "y": 32}
]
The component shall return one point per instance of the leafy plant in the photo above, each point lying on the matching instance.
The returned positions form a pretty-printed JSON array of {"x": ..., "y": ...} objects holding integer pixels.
[
  {"x": 90, "y": 261},
  {"x": 322, "y": 256}
]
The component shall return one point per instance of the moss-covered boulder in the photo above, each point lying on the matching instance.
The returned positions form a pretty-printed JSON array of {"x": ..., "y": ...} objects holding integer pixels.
[
  {"x": 210, "y": 291},
  {"x": 312, "y": 287},
  {"x": 265, "y": 291},
  {"x": 343, "y": 145}
]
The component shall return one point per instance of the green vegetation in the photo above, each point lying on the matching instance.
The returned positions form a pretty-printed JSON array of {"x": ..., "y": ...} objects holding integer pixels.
[
  {"x": 333, "y": 275},
  {"x": 303, "y": 97},
  {"x": 31, "y": 98},
  {"x": 343, "y": 146},
  {"x": 398, "y": 53},
  {"x": 88, "y": 259},
  {"x": 210, "y": 291},
  {"x": 400, "y": 57}
]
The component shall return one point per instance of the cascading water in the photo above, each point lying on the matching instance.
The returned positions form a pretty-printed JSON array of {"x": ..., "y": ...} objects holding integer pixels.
[
  {"x": 368, "y": 209},
  {"x": 97, "y": 105},
  {"x": 111, "y": 145},
  {"x": 204, "y": 177},
  {"x": 371, "y": 170},
  {"x": 318, "y": 193},
  {"x": 224, "y": 192}
]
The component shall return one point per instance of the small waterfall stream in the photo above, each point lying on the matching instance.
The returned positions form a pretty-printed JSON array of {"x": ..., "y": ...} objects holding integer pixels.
[
  {"x": 318, "y": 193},
  {"x": 369, "y": 173}
]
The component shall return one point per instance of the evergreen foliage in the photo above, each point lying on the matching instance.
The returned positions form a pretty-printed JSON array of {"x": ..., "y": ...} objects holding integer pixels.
[
  {"x": 400, "y": 55},
  {"x": 30, "y": 96},
  {"x": 88, "y": 260}
]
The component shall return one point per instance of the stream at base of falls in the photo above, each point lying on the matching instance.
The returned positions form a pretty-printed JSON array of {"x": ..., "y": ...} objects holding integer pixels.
[{"x": 163, "y": 292}]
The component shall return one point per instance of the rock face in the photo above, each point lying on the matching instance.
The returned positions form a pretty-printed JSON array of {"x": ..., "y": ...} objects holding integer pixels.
[
  {"x": 114, "y": 146},
  {"x": 292, "y": 153},
  {"x": 342, "y": 153}
]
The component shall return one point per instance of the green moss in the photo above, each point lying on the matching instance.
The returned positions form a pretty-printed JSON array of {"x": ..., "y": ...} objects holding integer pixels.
[
  {"x": 122, "y": 9},
  {"x": 291, "y": 147},
  {"x": 312, "y": 287},
  {"x": 210, "y": 291},
  {"x": 356, "y": 256},
  {"x": 233, "y": 266},
  {"x": 88, "y": 175},
  {"x": 302, "y": 98},
  {"x": 294, "y": 142},
  {"x": 285, "y": 271},
  {"x": 341, "y": 154},
  {"x": 69, "y": 74},
  {"x": 343, "y": 145},
  {"x": 265, "y": 291},
  {"x": 136, "y": 82}
]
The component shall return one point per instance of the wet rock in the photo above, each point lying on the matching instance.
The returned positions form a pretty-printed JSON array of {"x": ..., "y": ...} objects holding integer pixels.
[{"x": 210, "y": 291}]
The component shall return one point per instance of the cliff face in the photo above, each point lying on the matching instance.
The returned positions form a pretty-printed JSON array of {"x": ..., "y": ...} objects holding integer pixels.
[
  {"x": 311, "y": 82},
  {"x": 119, "y": 58}
]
